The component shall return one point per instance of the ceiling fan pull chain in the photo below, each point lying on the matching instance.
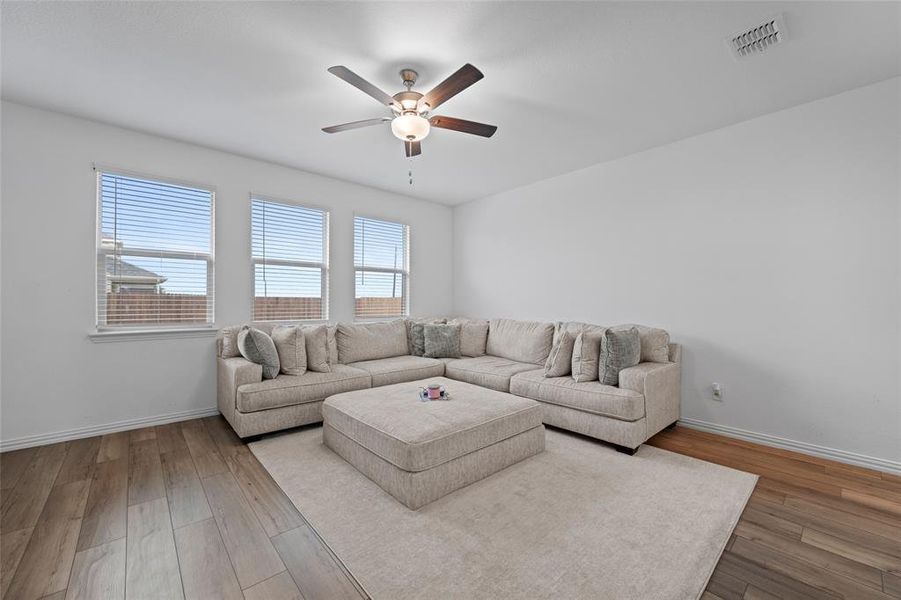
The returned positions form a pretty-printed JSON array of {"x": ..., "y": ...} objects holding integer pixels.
[{"x": 410, "y": 172}]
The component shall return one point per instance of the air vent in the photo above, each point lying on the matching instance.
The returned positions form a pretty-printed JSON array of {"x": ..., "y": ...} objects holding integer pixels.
[{"x": 758, "y": 39}]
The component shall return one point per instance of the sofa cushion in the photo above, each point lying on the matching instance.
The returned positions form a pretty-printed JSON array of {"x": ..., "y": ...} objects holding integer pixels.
[
  {"x": 620, "y": 349},
  {"x": 414, "y": 436},
  {"x": 288, "y": 390},
  {"x": 574, "y": 327},
  {"x": 257, "y": 347},
  {"x": 526, "y": 384},
  {"x": 442, "y": 341},
  {"x": 520, "y": 341},
  {"x": 370, "y": 341},
  {"x": 491, "y": 372},
  {"x": 291, "y": 348},
  {"x": 591, "y": 397},
  {"x": 473, "y": 336},
  {"x": 385, "y": 371}
]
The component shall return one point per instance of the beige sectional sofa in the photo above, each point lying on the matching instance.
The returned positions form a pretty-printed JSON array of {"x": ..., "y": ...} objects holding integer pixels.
[{"x": 512, "y": 358}]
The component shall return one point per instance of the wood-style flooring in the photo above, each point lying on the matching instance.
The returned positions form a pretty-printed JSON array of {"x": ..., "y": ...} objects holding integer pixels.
[
  {"x": 176, "y": 511},
  {"x": 186, "y": 511},
  {"x": 813, "y": 528}
]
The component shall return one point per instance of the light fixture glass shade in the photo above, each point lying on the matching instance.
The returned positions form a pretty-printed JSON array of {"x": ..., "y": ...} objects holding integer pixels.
[{"x": 410, "y": 128}]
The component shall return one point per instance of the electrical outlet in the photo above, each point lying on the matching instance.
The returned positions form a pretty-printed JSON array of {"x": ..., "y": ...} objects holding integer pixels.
[{"x": 717, "y": 391}]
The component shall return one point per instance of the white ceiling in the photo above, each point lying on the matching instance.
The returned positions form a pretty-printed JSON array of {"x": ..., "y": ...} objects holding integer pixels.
[{"x": 568, "y": 84}]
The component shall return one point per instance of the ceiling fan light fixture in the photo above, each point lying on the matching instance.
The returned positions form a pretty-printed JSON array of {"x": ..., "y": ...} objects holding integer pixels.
[
  {"x": 410, "y": 127},
  {"x": 411, "y": 118}
]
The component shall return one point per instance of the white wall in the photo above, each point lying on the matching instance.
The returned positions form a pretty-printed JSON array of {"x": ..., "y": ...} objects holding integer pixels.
[
  {"x": 57, "y": 379},
  {"x": 770, "y": 249}
]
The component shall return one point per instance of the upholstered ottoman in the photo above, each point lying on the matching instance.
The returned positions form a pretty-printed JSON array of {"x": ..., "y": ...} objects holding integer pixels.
[{"x": 420, "y": 451}]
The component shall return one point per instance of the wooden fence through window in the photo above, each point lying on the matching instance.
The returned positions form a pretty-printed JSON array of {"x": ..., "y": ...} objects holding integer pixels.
[{"x": 140, "y": 308}]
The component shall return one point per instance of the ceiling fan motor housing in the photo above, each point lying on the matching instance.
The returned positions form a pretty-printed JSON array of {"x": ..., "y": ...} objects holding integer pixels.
[
  {"x": 409, "y": 102},
  {"x": 409, "y": 77}
]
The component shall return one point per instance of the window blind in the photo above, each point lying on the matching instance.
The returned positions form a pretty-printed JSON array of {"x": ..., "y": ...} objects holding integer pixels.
[
  {"x": 154, "y": 253},
  {"x": 381, "y": 268},
  {"x": 290, "y": 261}
]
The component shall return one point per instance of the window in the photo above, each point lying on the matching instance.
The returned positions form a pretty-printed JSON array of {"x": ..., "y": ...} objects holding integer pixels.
[
  {"x": 290, "y": 261},
  {"x": 381, "y": 268},
  {"x": 154, "y": 253}
]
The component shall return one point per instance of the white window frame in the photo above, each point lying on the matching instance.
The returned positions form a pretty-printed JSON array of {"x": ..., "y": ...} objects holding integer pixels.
[
  {"x": 101, "y": 254},
  {"x": 403, "y": 271},
  {"x": 323, "y": 266}
]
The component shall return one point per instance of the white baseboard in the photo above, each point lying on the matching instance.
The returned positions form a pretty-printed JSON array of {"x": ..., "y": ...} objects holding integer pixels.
[
  {"x": 851, "y": 458},
  {"x": 861, "y": 460},
  {"x": 42, "y": 439}
]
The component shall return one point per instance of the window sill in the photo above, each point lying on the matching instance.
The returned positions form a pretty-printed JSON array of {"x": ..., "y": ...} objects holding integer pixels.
[
  {"x": 131, "y": 335},
  {"x": 363, "y": 320},
  {"x": 300, "y": 323}
]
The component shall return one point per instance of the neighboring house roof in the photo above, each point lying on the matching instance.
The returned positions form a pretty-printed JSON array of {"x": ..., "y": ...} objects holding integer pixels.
[{"x": 121, "y": 270}]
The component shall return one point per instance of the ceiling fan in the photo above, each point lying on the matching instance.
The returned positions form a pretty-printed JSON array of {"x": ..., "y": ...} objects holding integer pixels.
[{"x": 410, "y": 119}]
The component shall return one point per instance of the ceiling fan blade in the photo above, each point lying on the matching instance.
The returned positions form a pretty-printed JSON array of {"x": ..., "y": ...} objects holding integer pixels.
[
  {"x": 453, "y": 85},
  {"x": 364, "y": 86},
  {"x": 463, "y": 126},
  {"x": 355, "y": 125},
  {"x": 413, "y": 148}
]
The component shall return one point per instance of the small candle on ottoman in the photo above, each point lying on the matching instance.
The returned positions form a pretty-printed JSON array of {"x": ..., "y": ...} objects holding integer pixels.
[{"x": 433, "y": 391}]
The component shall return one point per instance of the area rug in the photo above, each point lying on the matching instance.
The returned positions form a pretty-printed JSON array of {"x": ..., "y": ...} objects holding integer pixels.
[{"x": 579, "y": 520}]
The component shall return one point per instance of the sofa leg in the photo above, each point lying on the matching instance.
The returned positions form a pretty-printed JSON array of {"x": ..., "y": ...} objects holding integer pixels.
[
  {"x": 672, "y": 425},
  {"x": 625, "y": 449}
]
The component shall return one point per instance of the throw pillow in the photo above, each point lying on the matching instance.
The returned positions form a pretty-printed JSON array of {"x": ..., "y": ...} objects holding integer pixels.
[
  {"x": 417, "y": 338},
  {"x": 316, "y": 341},
  {"x": 227, "y": 343},
  {"x": 257, "y": 347},
  {"x": 291, "y": 348},
  {"x": 559, "y": 362},
  {"x": 332, "y": 345},
  {"x": 620, "y": 349},
  {"x": 586, "y": 350},
  {"x": 473, "y": 336},
  {"x": 654, "y": 344},
  {"x": 442, "y": 341}
]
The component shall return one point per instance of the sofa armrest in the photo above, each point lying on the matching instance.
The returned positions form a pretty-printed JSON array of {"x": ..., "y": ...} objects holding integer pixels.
[
  {"x": 661, "y": 386},
  {"x": 232, "y": 373},
  {"x": 675, "y": 353}
]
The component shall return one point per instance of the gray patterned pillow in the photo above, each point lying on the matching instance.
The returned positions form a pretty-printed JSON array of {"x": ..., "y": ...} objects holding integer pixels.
[
  {"x": 620, "y": 349},
  {"x": 257, "y": 347},
  {"x": 441, "y": 341},
  {"x": 417, "y": 338}
]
